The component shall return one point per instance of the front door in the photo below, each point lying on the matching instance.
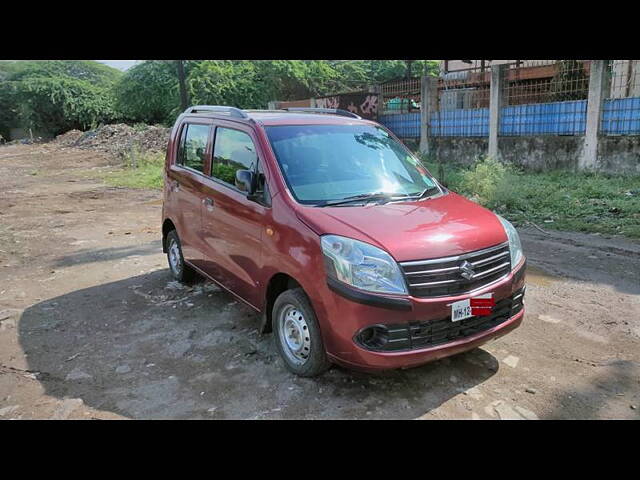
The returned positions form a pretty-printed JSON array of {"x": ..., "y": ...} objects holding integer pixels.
[{"x": 233, "y": 223}]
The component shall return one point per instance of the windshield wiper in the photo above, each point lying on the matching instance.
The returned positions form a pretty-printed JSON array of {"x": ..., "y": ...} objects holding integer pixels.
[
  {"x": 357, "y": 198},
  {"x": 389, "y": 197},
  {"x": 425, "y": 193}
]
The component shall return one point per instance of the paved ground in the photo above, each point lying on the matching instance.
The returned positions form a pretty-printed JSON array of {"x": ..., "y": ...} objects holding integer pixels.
[{"x": 92, "y": 327}]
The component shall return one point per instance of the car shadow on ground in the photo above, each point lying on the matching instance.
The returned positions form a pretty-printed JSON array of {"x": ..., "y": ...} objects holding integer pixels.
[
  {"x": 108, "y": 254},
  {"x": 148, "y": 347}
]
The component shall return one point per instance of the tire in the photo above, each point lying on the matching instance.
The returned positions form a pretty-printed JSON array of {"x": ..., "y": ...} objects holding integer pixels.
[
  {"x": 179, "y": 269},
  {"x": 297, "y": 334}
]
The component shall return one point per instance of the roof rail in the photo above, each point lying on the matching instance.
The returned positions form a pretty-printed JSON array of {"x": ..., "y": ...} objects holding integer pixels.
[
  {"x": 335, "y": 111},
  {"x": 232, "y": 111}
]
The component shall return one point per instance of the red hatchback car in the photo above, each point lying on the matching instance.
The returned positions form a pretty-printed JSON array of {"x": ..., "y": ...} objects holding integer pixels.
[{"x": 335, "y": 231}]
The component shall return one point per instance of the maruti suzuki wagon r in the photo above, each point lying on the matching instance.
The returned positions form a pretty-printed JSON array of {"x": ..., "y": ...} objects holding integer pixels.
[{"x": 329, "y": 226}]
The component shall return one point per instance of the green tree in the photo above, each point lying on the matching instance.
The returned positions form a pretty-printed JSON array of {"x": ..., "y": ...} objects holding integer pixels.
[
  {"x": 93, "y": 72},
  {"x": 55, "y": 95},
  {"x": 57, "y": 105},
  {"x": 375, "y": 71},
  {"x": 225, "y": 82},
  {"x": 8, "y": 109},
  {"x": 251, "y": 84},
  {"x": 148, "y": 92}
]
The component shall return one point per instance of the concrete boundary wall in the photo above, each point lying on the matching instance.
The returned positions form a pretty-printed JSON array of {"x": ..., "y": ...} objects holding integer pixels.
[
  {"x": 616, "y": 154},
  {"x": 591, "y": 151}
]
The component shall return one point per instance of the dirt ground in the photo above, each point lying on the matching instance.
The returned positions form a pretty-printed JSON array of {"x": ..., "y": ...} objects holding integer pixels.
[{"x": 91, "y": 325}]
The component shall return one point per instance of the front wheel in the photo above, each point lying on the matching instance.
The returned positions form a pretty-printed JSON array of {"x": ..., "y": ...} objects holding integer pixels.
[{"x": 297, "y": 334}]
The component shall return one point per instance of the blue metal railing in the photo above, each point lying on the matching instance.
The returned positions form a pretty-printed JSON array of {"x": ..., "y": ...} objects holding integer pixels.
[
  {"x": 555, "y": 118},
  {"x": 464, "y": 122},
  {"x": 403, "y": 125},
  {"x": 619, "y": 117}
]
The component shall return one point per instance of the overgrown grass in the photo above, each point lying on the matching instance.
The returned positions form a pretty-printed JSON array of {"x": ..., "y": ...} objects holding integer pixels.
[
  {"x": 140, "y": 171},
  {"x": 563, "y": 200}
]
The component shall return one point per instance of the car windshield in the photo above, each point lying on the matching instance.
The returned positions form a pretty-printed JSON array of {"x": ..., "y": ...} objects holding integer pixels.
[{"x": 331, "y": 163}]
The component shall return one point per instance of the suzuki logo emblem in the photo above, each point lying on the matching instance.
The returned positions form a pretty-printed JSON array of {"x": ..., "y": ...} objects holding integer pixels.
[{"x": 466, "y": 270}]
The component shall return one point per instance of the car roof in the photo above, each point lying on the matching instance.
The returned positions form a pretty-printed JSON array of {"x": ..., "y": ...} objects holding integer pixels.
[{"x": 280, "y": 117}]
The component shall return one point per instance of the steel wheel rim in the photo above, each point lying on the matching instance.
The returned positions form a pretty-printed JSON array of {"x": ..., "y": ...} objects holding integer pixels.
[
  {"x": 293, "y": 331},
  {"x": 174, "y": 257}
]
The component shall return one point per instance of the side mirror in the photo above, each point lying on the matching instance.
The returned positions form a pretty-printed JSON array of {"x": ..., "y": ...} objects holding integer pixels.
[{"x": 245, "y": 181}]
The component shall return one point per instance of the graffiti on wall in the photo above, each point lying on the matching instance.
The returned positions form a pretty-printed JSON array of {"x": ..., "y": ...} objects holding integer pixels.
[
  {"x": 362, "y": 103},
  {"x": 328, "y": 102}
]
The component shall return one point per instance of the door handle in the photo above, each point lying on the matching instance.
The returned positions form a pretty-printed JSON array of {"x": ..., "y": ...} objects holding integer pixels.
[
  {"x": 175, "y": 186},
  {"x": 208, "y": 202}
]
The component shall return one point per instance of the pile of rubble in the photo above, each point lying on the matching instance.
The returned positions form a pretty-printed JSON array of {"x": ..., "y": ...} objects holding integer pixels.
[
  {"x": 118, "y": 139},
  {"x": 69, "y": 138}
]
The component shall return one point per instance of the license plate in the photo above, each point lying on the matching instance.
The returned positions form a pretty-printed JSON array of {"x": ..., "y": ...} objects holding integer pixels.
[
  {"x": 477, "y": 306},
  {"x": 461, "y": 310}
]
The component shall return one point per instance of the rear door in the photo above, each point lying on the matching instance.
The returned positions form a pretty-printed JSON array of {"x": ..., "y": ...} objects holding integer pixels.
[
  {"x": 185, "y": 184},
  {"x": 232, "y": 223}
]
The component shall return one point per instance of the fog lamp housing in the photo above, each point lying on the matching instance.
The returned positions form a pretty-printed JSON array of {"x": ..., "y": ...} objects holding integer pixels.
[{"x": 374, "y": 337}]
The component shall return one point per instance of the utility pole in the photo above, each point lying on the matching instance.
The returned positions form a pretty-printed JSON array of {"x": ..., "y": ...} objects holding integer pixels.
[{"x": 184, "y": 101}]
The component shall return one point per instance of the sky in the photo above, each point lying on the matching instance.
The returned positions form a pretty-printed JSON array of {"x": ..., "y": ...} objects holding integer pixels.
[{"x": 119, "y": 64}]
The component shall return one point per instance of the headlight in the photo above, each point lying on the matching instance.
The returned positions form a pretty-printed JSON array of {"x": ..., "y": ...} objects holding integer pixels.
[
  {"x": 515, "y": 247},
  {"x": 361, "y": 265}
]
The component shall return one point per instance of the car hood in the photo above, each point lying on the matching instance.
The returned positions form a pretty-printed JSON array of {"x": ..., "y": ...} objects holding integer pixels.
[{"x": 431, "y": 228}]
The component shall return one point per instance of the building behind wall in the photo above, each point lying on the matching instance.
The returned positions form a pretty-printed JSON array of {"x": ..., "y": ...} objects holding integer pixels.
[
  {"x": 538, "y": 118},
  {"x": 531, "y": 77}
]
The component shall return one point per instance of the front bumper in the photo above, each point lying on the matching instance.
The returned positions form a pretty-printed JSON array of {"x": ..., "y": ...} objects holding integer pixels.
[{"x": 348, "y": 316}]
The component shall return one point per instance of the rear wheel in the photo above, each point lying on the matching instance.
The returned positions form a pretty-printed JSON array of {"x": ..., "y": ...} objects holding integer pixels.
[
  {"x": 179, "y": 269},
  {"x": 297, "y": 334}
]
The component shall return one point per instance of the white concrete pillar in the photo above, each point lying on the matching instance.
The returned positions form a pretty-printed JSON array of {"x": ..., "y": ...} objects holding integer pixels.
[
  {"x": 496, "y": 102},
  {"x": 428, "y": 105},
  {"x": 598, "y": 90}
]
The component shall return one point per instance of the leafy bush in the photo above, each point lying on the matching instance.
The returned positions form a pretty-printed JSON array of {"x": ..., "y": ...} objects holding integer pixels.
[
  {"x": 559, "y": 199},
  {"x": 487, "y": 181}
]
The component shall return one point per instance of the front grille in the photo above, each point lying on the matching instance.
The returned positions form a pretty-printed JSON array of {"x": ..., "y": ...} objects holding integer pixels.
[
  {"x": 444, "y": 276},
  {"x": 414, "y": 335}
]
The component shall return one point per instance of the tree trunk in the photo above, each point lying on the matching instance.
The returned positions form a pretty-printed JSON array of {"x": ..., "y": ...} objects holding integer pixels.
[
  {"x": 409, "y": 65},
  {"x": 184, "y": 101}
]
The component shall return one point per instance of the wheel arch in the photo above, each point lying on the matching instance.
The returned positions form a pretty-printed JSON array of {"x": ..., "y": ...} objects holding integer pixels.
[
  {"x": 167, "y": 226},
  {"x": 277, "y": 284}
]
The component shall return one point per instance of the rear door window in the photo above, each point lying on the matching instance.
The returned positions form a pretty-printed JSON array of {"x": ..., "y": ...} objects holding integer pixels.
[
  {"x": 234, "y": 150},
  {"x": 193, "y": 146}
]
